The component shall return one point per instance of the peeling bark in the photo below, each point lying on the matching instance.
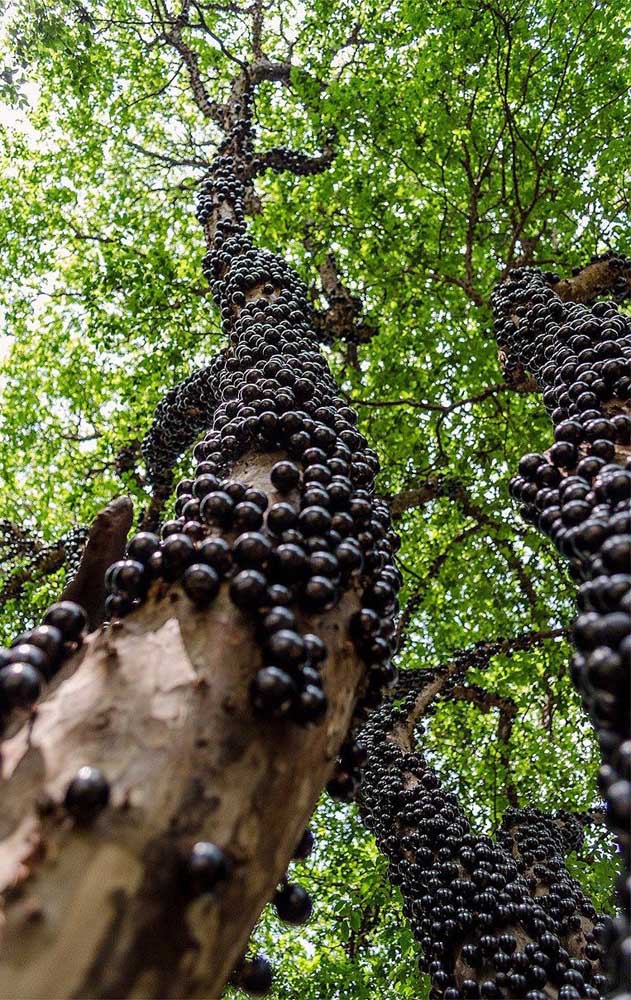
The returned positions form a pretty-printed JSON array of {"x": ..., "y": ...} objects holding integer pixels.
[
  {"x": 611, "y": 274},
  {"x": 160, "y": 703},
  {"x": 395, "y": 796},
  {"x": 106, "y": 544}
]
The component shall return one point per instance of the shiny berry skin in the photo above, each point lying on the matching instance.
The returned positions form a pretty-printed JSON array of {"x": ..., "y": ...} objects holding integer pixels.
[
  {"x": 286, "y": 648},
  {"x": 349, "y": 557},
  {"x": 247, "y": 516},
  {"x": 364, "y": 624},
  {"x": 248, "y": 590},
  {"x": 257, "y": 497},
  {"x": 204, "y": 485},
  {"x": 616, "y": 554},
  {"x": 251, "y": 550},
  {"x": 142, "y": 546},
  {"x": 285, "y": 476},
  {"x": 200, "y": 583},
  {"x": 279, "y": 594},
  {"x": 87, "y": 795},
  {"x": 48, "y": 638},
  {"x": 272, "y": 691},
  {"x": 278, "y": 617},
  {"x": 235, "y": 490},
  {"x": 304, "y": 847},
  {"x": 316, "y": 649},
  {"x": 177, "y": 553},
  {"x": 217, "y": 508},
  {"x": 20, "y": 685},
  {"x": 117, "y": 605},
  {"x": 255, "y": 975},
  {"x": 319, "y": 593},
  {"x": 68, "y": 617},
  {"x": 127, "y": 577},
  {"x": 205, "y": 868},
  {"x": 280, "y": 517},
  {"x": 24, "y": 652},
  {"x": 324, "y": 563},
  {"x": 290, "y": 562},
  {"x": 217, "y": 552},
  {"x": 314, "y": 520},
  {"x": 293, "y": 904},
  {"x": 309, "y": 705}
]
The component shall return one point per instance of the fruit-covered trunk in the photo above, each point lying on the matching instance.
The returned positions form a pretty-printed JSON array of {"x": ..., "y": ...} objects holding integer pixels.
[{"x": 154, "y": 795}]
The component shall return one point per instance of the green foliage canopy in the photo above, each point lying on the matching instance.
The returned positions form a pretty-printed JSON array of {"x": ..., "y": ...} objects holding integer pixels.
[{"x": 469, "y": 136}]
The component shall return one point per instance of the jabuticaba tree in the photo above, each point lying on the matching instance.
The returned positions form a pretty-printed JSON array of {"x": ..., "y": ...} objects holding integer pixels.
[
  {"x": 579, "y": 492},
  {"x": 456, "y": 123},
  {"x": 495, "y": 917},
  {"x": 152, "y": 802}
]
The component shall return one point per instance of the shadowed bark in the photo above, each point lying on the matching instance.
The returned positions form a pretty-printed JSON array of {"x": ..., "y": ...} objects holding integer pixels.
[{"x": 160, "y": 702}]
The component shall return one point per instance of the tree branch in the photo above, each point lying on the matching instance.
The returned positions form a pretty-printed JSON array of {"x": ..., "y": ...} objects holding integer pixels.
[
  {"x": 608, "y": 274},
  {"x": 343, "y": 318},
  {"x": 105, "y": 545}
]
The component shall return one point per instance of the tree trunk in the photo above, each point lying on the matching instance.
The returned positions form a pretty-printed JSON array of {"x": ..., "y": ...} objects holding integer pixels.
[
  {"x": 160, "y": 702},
  {"x": 579, "y": 493},
  {"x": 483, "y": 911}
]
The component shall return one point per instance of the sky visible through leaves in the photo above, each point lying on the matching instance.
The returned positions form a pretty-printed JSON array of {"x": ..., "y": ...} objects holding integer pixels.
[{"x": 469, "y": 137}]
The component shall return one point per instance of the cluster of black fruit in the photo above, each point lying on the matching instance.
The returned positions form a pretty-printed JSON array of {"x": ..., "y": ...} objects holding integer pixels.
[
  {"x": 280, "y": 159},
  {"x": 615, "y": 283},
  {"x": 32, "y": 556},
  {"x": 294, "y": 550},
  {"x": 326, "y": 531},
  {"x": 15, "y": 542},
  {"x": 578, "y": 494},
  {"x": 282, "y": 554},
  {"x": 73, "y": 545},
  {"x": 474, "y": 657},
  {"x": 484, "y": 930},
  {"x": 181, "y": 415},
  {"x": 35, "y": 656}
]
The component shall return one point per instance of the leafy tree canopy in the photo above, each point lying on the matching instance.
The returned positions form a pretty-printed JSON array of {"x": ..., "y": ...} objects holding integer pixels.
[{"x": 468, "y": 137}]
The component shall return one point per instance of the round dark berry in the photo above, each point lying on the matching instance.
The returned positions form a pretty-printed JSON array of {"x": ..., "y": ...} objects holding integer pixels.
[
  {"x": 20, "y": 685},
  {"x": 217, "y": 508},
  {"x": 286, "y": 648},
  {"x": 87, "y": 794},
  {"x": 255, "y": 975},
  {"x": 281, "y": 517},
  {"x": 248, "y": 590},
  {"x": 293, "y": 904},
  {"x": 247, "y": 515},
  {"x": 206, "y": 867},
  {"x": 285, "y": 476},
  {"x": 142, "y": 546},
  {"x": 178, "y": 552},
  {"x": 251, "y": 550},
  {"x": 49, "y": 639},
  {"x": 309, "y": 705},
  {"x": 68, "y": 617},
  {"x": 319, "y": 593},
  {"x": 272, "y": 691},
  {"x": 217, "y": 553},
  {"x": 200, "y": 583},
  {"x": 127, "y": 577},
  {"x": 316, "y": 649},
  {"x": 304, "y": 847},
  {"x": 290, "y": 562}
]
